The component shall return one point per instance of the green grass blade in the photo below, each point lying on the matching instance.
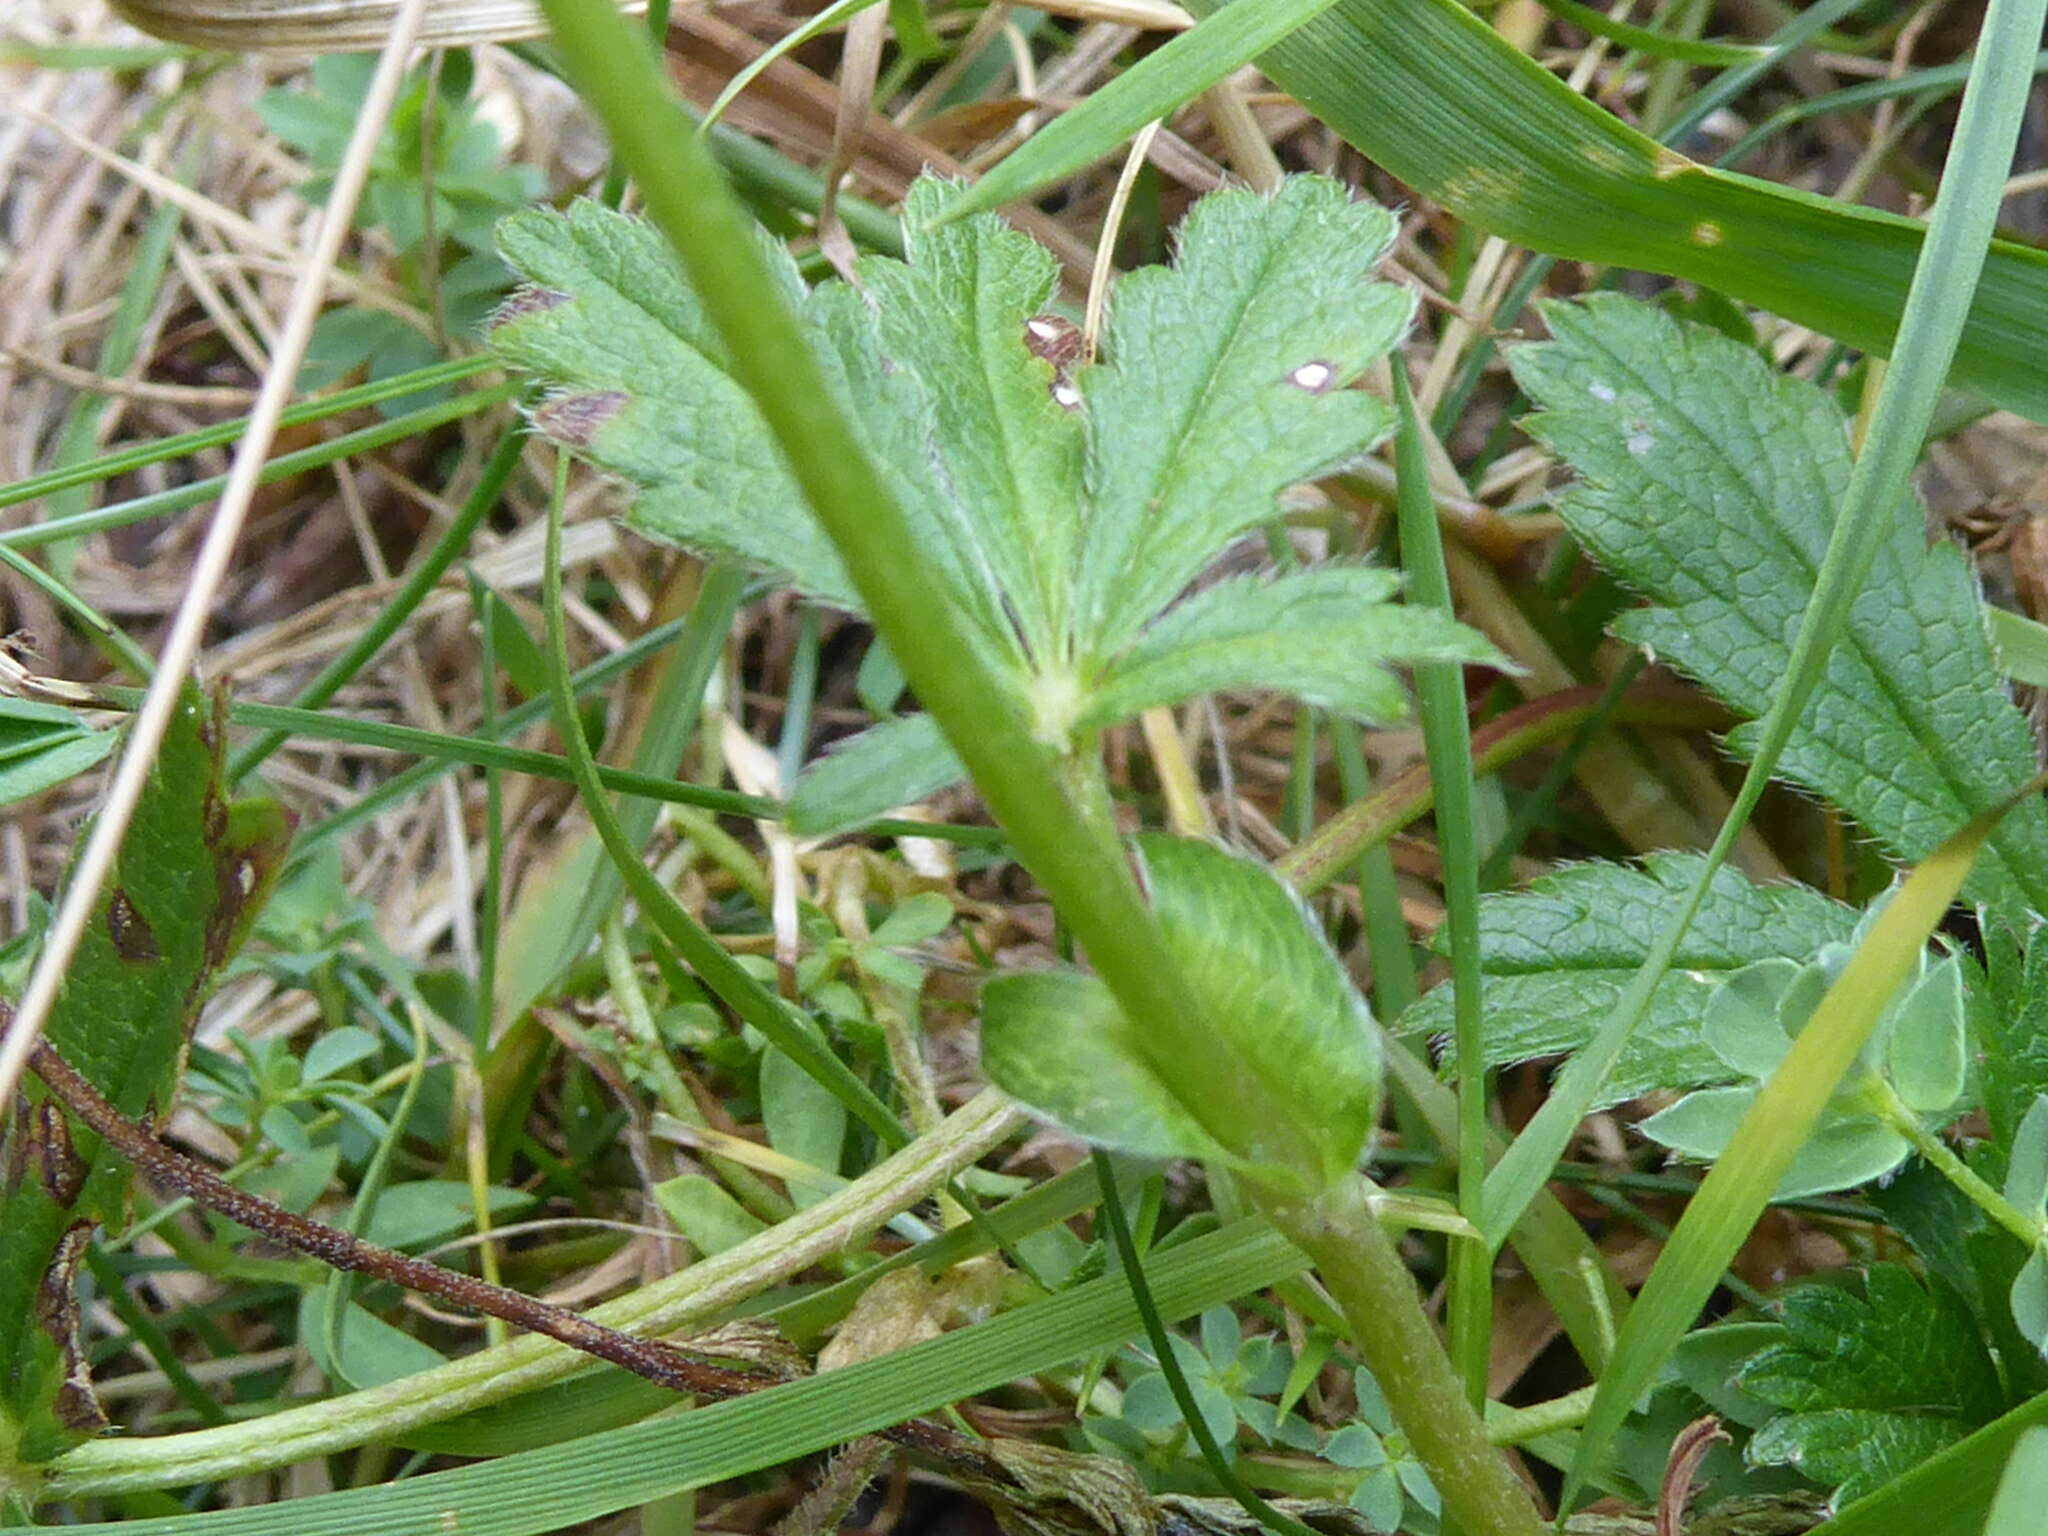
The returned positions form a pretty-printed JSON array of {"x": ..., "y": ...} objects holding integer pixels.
[
  {"x": 497, "y": 474},
  {"x": 1734, "y": 1194},
  {"x": 283, "y": 467},
  {"x": 1646, "y": 40},
  {"x": 121, "y": 462},
  {"x": 552, "y": 1489},
  {"x": 1447, "y": 741},
  {"x": 1959, "y": 233},
  {"x": 1178, "y": 71},
  {"x": 1433, "y": 95}
]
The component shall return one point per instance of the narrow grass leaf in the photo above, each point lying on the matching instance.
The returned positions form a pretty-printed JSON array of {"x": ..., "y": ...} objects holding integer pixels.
[
  {"x": 559, "y": 1486},
  {"x": 1431, "y": 93},
  {"x": 1175, "y": 73},
  {"x": 1774, "y": 1130}
]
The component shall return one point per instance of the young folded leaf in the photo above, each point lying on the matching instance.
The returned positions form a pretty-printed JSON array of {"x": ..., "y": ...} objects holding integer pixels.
[
  {"x": 1063, "y": 505},
  {"x": 1300, "y": 1030},
  {"x": 1708, "y": 482}
]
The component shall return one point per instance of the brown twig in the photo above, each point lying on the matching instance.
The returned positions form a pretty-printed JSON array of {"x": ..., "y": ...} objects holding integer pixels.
[{"x": 656, "y": 1360}]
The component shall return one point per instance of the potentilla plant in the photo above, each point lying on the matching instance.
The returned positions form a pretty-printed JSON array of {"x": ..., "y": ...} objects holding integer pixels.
[
  {"x": 1060, "y": 506},
  {"x": 1066, "y": 502}
]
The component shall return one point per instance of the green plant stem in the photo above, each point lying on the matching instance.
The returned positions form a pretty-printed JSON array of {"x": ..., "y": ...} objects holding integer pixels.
[
  {"x": 1084, "y": 872},
  {"x": 1364, "y": 1273},
  {"x": 1893, "y": 1110},
  {"x": 1506, "y": 738},
  {"x": 1019, "y": 775}
]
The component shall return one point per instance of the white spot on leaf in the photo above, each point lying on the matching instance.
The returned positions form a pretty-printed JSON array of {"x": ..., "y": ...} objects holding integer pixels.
[{"x": 1314, "y": 377}]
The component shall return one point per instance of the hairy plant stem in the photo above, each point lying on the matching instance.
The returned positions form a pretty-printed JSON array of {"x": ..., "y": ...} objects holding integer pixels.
[{"x": 1364, "y": 1273}]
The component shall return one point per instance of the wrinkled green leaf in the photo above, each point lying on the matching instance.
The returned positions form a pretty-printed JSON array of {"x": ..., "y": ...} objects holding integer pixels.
[
  {"x": 191, "y": 875},
  {"x": 1062, "y": 505},
  {"x": 1557, "y": 954},
  {"x": 1326, "y": 635},
  {"x": 644, "y": 390},
  {"x": 1709, "y": 483},
  {"x": 1248, "y": 944},
  {"x": 888, "y": 765},
  {"x": 2010, "y": 1031},
  {"x": 955, "y": 313},
  {"x": 1873, "y": 1384}
]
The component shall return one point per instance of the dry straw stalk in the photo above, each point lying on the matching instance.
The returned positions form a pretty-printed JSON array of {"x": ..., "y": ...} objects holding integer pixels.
[{"x": 330, "y": 26}]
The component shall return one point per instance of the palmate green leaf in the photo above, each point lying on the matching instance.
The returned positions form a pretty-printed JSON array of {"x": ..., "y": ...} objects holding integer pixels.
[
  {"x": 1225, "y": 383},
  {"x": 1297, "y": 1025},
  {"x": 1872, "y": 1384},
  {"x": 1326, "y": 635},
  {"x": 1061, "y": 508},
  {"x": 188, "y": 882},
  {"x": 1709, "y": 483},
  {"x": 1557, "y": 954}
]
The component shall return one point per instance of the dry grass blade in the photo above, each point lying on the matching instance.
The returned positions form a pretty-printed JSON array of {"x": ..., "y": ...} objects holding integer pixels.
[
  {"x": 181, "y": 647},
  {"x": 332, "y": 26}
]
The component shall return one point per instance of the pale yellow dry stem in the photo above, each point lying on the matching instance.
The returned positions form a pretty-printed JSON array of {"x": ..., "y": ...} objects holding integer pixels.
[{"x": 181, "y": 648}]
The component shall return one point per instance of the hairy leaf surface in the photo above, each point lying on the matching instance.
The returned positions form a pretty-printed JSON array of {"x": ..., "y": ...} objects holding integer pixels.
[
  {"x": 1708, "y": 482},
  {"x": 1062, "y": 504},
  {"x": 1557, "y": 954},
  {"x": 1874, "y": 1384},
  {"x": 1327, "y": 635},
  {"x": 1224, "y": 385}
]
